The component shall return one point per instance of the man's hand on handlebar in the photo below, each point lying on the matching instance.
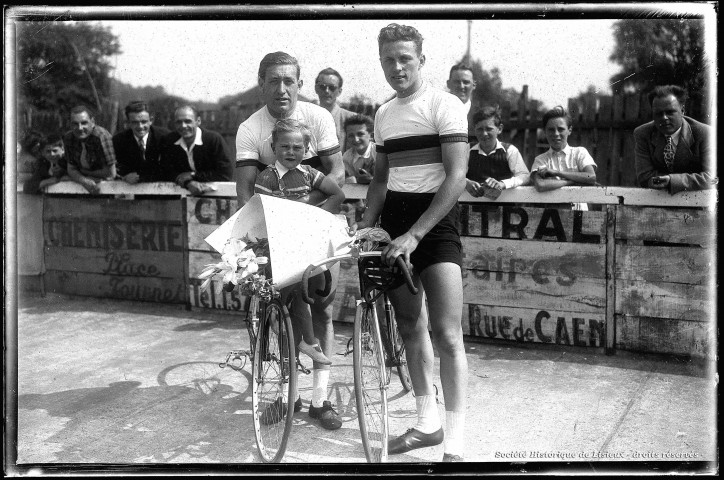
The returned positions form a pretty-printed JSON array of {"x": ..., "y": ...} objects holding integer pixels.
[{"x": 402, "y": 246}]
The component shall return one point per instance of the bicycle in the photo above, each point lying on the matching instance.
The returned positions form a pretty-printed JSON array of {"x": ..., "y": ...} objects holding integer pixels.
[
  {"x": 374, "y": 352},
  {"x": 274, "y": 372}
]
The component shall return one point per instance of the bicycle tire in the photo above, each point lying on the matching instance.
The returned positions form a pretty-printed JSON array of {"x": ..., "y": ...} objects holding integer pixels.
[
  {"x": 370, "y": 383},
  {"x": 274, "y": 381},
  {"x": 394, "y": 347}
]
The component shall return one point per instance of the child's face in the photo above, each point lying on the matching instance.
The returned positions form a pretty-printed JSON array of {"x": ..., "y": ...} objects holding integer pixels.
[
  {"x": 53, "y": 153},
  {"x": 289, "y": 148},
  {"x": 358, "y": 137},
  {"x": 557, "y": 132},
  {"x": 487, "y": 133}
]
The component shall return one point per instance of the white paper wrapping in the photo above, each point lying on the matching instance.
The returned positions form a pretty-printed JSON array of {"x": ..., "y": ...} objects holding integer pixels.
[{"x": 299, "y": 234}]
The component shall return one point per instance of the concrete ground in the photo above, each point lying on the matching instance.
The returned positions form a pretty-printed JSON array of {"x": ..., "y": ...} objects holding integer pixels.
[{"x": 118, "y": 382}]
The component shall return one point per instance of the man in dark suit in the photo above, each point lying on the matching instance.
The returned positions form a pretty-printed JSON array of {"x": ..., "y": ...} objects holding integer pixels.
[
  {"x": 193, "y": 156},
  {"x": 673, "y": 152},
  {"x": 138, "y": 148},
  {"x": 461, "y": 83}
]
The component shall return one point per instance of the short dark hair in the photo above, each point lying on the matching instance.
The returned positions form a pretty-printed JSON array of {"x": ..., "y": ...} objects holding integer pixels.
[
  {"x": 330, "y": 71},
  {"x": 461, "y": 66},
  {"x": 277, "y": 58},
  {"x": 360, "y": 119},
  {"x": 187, "y": 107},
  {"x": 82, "y": 108},
  {"x": 557, "y": 112},
  {"x": 291, "y": 125},
  {"x": 490, "y": 111},
  {"x": 400, "y": 33},
  {"x": 663, "y": 91},
  {"x": 137, "y": 106},
  {"x": 52, "y": 140}
]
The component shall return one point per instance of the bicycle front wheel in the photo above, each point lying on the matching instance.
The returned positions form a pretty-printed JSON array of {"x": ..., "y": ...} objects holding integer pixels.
[
  {"x": 274, "y": 381},
  {"x": 370, "y": 383},
  {"x": 395, "y": 347}
]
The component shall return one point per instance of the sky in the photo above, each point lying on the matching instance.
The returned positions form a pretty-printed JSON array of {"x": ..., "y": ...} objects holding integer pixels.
[{"x": 205, "y": 60}]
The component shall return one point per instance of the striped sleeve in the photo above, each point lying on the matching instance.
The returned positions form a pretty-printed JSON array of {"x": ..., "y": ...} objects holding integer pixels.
[{"x": 266, "y": 182}]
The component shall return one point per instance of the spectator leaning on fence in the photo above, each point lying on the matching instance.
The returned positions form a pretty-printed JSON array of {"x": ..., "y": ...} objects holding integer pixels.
[
  {"x": 421, "y": 141},
  {"x": 461, "y": 83},
  {"x": 359, "y": 158},
  {"x": 50, "y": 167},
  {"x": 89, "y": 150},
  {"x": 138, "y": 148},
  {"x": 562, "y": 164},
  {"x": 673, "y": 152},
  {"x": 191, "y": 156},
  {"x": 328, "y": 86},
  {"x": 280, "y": 83},
  {"x": 491, "y": 162}
]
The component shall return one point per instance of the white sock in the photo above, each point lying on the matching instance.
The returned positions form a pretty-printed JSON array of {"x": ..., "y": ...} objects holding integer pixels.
[
  {"x": 454, "y": 432},
  {"x": 428, "y": 418},
  {"x": 319, "y": 386}
]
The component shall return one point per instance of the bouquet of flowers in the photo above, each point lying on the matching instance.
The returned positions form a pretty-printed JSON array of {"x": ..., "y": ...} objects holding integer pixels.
[{"x": 244, "y": 262}]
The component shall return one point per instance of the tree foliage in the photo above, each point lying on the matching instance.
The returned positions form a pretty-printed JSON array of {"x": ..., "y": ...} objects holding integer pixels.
[
  {"x": 655, "y": 52},
  {"x": 63, "y": 64},
  {"x": 489, "y": 89}
]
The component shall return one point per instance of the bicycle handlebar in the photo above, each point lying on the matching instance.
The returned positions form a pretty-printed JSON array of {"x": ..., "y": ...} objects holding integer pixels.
[{"x": 400, "y": 261}]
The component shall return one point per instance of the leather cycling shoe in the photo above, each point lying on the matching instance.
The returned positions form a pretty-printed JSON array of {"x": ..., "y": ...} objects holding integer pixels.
[{"x": 413, "y": 439}]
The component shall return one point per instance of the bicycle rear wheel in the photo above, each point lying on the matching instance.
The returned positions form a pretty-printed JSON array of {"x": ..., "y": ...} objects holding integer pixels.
[
  {"x": 274, "y": 381},
  {"x": 370, "y": 383},
  {"x": 394, "y": 347}
]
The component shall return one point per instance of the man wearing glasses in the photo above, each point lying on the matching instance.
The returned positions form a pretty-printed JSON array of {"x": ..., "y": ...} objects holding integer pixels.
[{"x": 328, "y": 86}]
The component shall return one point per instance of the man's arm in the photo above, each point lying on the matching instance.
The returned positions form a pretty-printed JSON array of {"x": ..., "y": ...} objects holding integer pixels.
[
  {"x": 376, "y": 192},
  {"x": 701, "y": 180},
  {"x": 521, "y": 175},
  {"x": 245, "y": 179},
  {"x": 333, "y": 168}
]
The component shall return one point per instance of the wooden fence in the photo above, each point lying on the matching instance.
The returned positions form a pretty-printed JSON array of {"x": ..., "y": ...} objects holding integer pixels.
[
  {"x": 637, "y": 273},
  {"x": 602, "y": 124}
]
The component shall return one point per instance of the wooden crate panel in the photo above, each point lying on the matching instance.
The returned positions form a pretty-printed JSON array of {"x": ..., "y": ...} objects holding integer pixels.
[
  {"x": 133, "y": 263},
  {"x": 661, "y": 335},
  {"x": 532, "y": 223},
  {"x": 209, "y": 211},
  {"x": 694, "y": 266},
  {"x": 109, "y": 209},
  {"x": 672, "y": 225},
  {"x": 115, "y": 235},
  {"x": 665, "y": 300},
  {"x": 214, "y": 297},
  {"x": 508, "y": 258},
  {"x": 161, "y": 290},
  {"x": 534, "y": 325},
  {"x": 584, "y": 295}
]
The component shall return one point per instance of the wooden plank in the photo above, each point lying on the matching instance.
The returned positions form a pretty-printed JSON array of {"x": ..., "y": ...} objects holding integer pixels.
[
  {"x": 110, "y": 235},
  {"x": 118, "y": 187},
  {"x": 584, "y": 295},
  {"x": 527, "y": 325},
  {"x": 215, "y": 297},
  {"x": 603, "y": 158},
  {"x": 209, "y": 211},
  {"x": 665, "y": 300},
  {"x": 672, "y": 225},
  {"x": 605, "y": 111},
  {"x": 661, "y": 198},
  {"x": 660, "y": 335},
  {"x": 507, "y": 258},
  {"x": 611, "y": 252},
  {"x": 107, "y": 210},
  {"x": 532, "y": 223},
  {"x": 161, "y": 290},
  {"x": 528, "y": 194},
  {"x": 631, "y": 106},
  {"x": 693, "y": 266},
  {"x": 134, "y": 263}
]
